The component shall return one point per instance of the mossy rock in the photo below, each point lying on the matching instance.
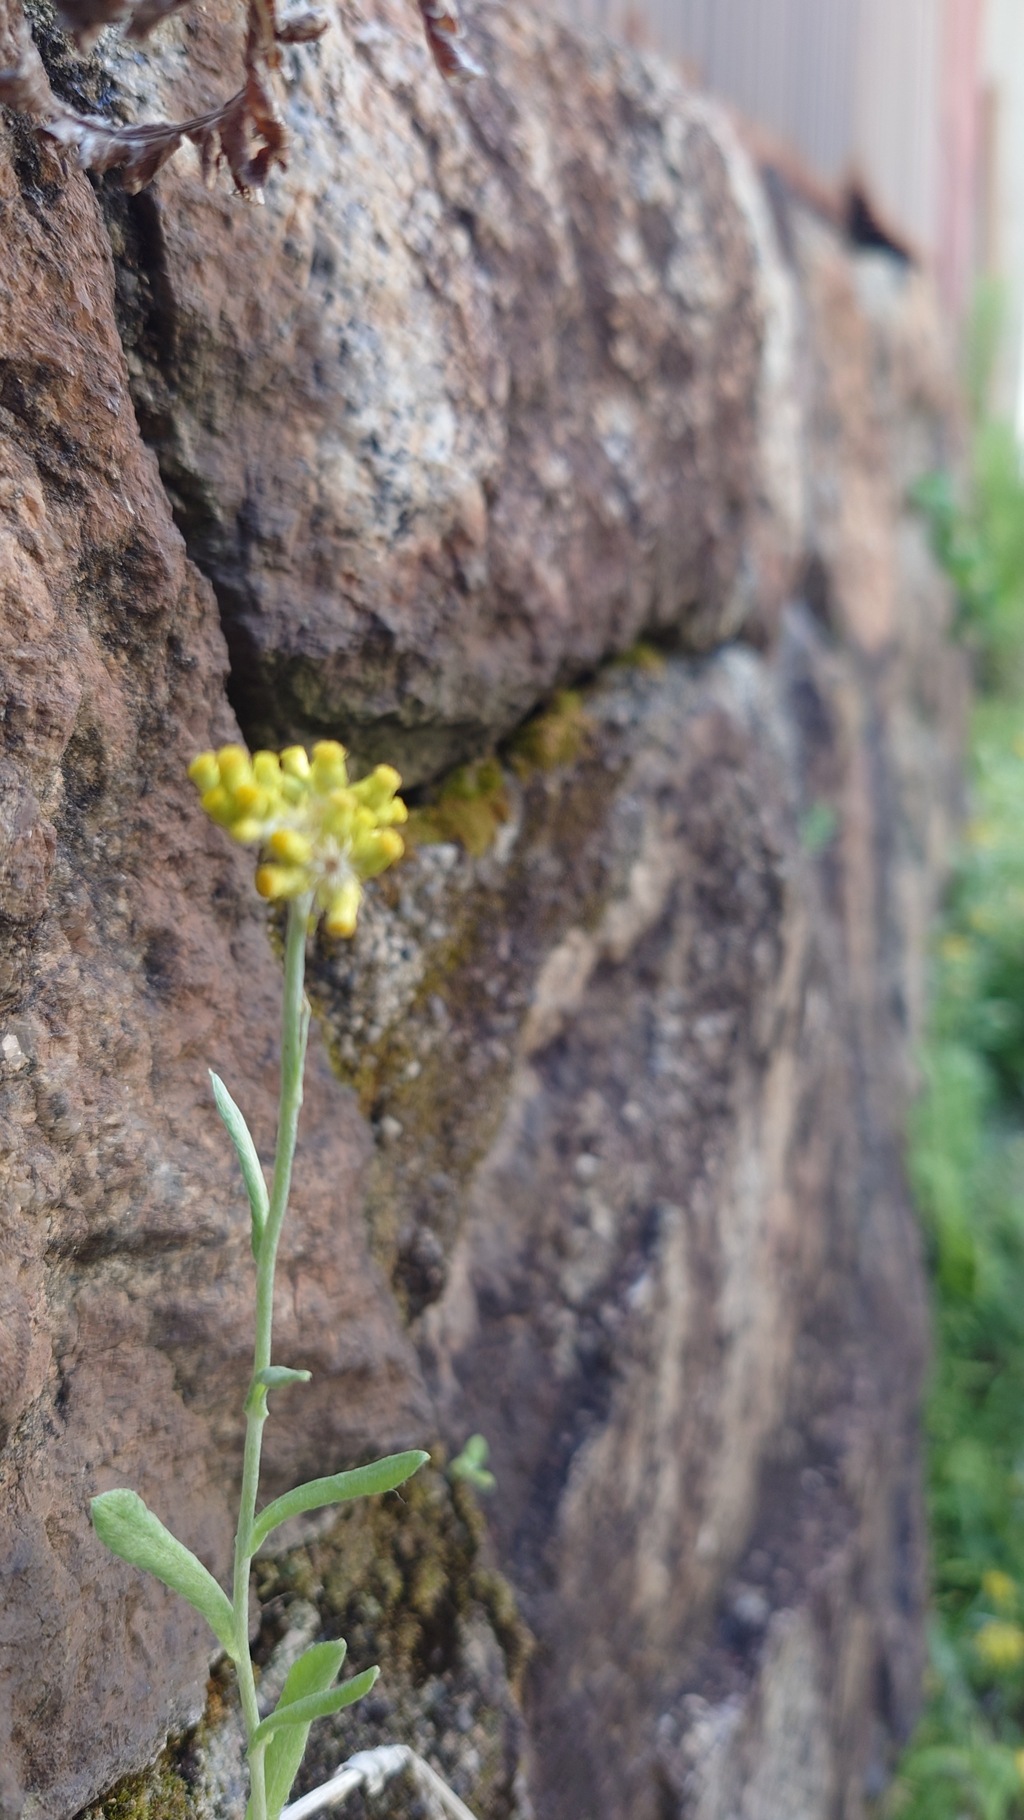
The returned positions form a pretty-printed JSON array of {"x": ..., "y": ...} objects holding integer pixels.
[
  {"x": 404, "y": 1579},
  {"x": 159, "y": 1793}
]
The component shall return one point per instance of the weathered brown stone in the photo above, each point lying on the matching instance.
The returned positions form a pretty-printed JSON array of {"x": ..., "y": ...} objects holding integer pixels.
[
  {"x": 489, "y": 389},
  {"x": 133, "y": 956},
  {"x": 511, "y": 340}
]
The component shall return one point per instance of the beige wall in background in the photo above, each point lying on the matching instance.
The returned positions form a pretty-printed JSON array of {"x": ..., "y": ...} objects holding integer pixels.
[
  {"x": 883, "y": 90},
  {"x": 922, "y": 101},
  {"x": 1003, "y": 218}
]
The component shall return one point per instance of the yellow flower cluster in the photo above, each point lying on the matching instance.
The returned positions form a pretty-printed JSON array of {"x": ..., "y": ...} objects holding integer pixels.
[
  {"x": 319, "y": 834},
  {"x": 1000, "y": 1588},
  {"x": 1000, "y": 1645}
]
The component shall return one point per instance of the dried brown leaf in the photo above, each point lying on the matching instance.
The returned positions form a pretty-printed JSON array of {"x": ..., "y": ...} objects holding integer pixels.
[
  {"x": 137, "y": 151},
  {"x": 447, "y": 40},
  {"x": 261, "y": 35},
  {"x": 246, "y": 133},
  {"x": 253, "y": 137}
]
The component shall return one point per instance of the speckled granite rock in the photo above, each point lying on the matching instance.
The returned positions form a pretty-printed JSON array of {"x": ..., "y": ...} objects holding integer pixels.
[
  {"x": 512, "y": 340},
  {"x": 132, "y": 955},
  {"x": 611, "y": 1170}
]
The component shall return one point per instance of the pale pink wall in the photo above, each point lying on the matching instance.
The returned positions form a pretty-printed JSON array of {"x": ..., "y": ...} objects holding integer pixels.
[
  {"x": 960, "y": 202},
  {"x": 886, "y": 91}
]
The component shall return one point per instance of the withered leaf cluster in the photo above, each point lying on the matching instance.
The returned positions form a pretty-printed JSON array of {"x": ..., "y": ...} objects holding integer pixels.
[
  {"x": 447, "y": 40},
  {"x": 246, "y": 133}
]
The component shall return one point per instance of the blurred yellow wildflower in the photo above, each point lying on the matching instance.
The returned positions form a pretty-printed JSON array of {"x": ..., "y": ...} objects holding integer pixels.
[
  {"x": 1000, "y": 1645},
  {"x": 317, "y": 832},
  {"x": 955, "y": 948},
  {"x": 1000, "y": 1589}
]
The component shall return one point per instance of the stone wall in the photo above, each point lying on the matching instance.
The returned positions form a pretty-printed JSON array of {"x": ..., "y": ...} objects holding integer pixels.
[{"x": 518, "y": 427}]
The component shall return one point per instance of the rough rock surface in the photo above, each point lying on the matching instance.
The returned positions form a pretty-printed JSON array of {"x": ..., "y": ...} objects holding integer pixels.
[
  {"x": 491, "y": 389},
  {"x": 512, "y": 340}
]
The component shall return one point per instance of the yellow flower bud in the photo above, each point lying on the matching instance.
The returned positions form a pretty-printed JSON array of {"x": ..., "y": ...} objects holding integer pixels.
[
  {"x": 246, "y": 830},
  {"x": 376, "y": 849},
  {"x": 205, "y": 772},
  {"x": 280, "y": 881},
  {"x": 295, "y": 762},
  {"x": 338, "y": 814},
  {"x": 234, "y": 766},
  {"x": 251, "y": 800},
  {"x": 329, "y": 769},
  {"x": 378, "y": 788},
  {"x": 289, "y": 845},
  {"x": 266, "y": 768},
  {"x": 218, "y": 806},
  {"x": 343, "y": 908}
]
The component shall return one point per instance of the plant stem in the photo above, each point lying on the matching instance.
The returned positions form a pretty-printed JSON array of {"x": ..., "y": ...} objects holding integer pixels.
[{"x": 294, "y": 1031}]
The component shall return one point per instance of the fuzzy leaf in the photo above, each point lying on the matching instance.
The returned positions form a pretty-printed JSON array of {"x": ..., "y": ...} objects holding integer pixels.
[
  {"x": 362, "y": 1482},
  {"x": 273, "y": 1376},
  {"x": 471, "y": 1465},
  {"x": 248, "y": 1161},
  {"x": 132, "y": 1532},
  {"x": 313, "y": 1673},
  {"x": 316, "y": 1706}
]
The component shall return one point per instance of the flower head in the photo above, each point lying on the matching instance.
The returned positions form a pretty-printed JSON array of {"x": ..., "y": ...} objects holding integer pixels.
[
  {"x": 1000, "y": 1588},
  {"x": 317, "y": 832},
  {"x": 1000, "y": 1645}
]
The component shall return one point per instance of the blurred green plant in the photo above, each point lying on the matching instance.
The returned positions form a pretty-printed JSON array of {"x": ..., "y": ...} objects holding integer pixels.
[
  {"x": 966, "y": 1761},
  {"x": 471, "y": 1465},
  {"x": 979, "y": 541}
]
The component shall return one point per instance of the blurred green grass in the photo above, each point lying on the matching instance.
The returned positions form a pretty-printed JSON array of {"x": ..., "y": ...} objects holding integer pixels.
[{"x": 966, "y": 1760}]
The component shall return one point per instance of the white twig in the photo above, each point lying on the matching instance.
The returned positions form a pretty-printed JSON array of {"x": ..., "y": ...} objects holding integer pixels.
[{"x": 370, "y": 1769}]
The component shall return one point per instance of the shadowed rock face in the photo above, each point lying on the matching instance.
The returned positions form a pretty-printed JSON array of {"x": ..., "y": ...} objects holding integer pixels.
[{"x": 609, "y": 1163}]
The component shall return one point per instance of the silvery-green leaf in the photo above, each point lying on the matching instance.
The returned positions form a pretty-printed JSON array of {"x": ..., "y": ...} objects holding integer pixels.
[
  {"x": 362, "y": 1482},
  {"x": 471, "y": 1465},
  {"x": 132, "y": 1532},
  {"x": 315, "y": 1706},
  {"x": 273, "y": 1376},
  {"x": 313, "y": 1673},
  {"x": 245, "y": 1150}
]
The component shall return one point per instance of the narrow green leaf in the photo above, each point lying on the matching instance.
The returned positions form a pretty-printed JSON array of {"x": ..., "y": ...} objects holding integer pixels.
[
  {"x": 362, "y": 1482},
  {"x": 316, "y": 1706},
  {"x": 313, "y": 1673},
  {"x": 273, "y": 1376},
  {"x": 134, "y": 1534},
  {"x": 249, "y": 1162}
]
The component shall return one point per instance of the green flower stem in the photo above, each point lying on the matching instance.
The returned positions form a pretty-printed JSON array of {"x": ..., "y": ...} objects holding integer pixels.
[{"x": 294, "y": 1031}]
